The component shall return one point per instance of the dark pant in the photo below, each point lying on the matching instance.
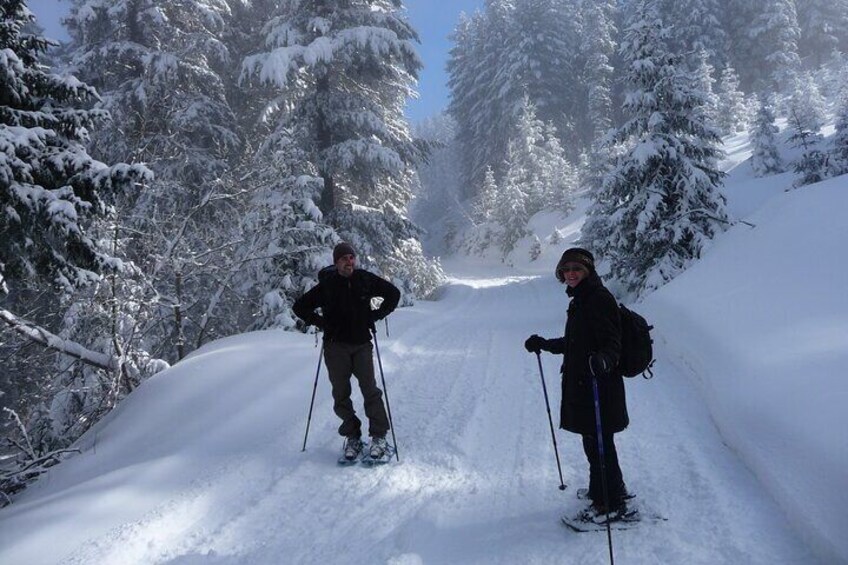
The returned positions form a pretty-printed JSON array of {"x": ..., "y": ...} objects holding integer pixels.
[
  {"x": 615, "y": 482},
  {"x": 344, "y": 360}
]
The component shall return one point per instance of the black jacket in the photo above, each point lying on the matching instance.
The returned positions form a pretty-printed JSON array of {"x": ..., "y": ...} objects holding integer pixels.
[
  {"x": 346, "y": 305},
  {"x": 593, "y": 326}
]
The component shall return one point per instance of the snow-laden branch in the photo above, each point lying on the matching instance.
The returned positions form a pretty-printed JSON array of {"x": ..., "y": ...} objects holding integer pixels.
[{"x": 52, "y": 341}]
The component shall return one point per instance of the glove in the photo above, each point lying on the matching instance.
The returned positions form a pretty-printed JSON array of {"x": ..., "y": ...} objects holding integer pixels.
[
  {"x": 599, "y": 364},
  {"x": 318, "y": 321},
  {"x": 535, "y": 343}
]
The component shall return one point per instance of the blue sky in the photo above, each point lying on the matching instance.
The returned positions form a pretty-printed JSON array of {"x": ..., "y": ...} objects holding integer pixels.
[{"x": 433, "y": 19}]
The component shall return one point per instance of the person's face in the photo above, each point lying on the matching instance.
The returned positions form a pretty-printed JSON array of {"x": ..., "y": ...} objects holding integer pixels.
[
  {"x": 573, "y": 273},
  {"x": 346, "y": 264}
]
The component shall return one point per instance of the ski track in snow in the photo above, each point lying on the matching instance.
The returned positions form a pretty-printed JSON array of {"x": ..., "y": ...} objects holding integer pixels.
[{"x": 477, "y": 479}]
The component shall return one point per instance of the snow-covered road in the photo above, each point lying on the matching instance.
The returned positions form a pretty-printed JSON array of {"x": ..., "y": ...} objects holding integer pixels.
[{"x": 204, "y": 464}]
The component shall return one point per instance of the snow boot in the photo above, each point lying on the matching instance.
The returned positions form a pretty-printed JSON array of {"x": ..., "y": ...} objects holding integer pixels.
[
  {"x": 352, "y": 450},
  {"x": 380, "y": 452},
  {"x": 379, "y": 447}
]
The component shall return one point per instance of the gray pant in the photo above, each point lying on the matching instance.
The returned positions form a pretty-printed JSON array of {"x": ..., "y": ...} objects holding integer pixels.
[{"x": 344, "y": 360}]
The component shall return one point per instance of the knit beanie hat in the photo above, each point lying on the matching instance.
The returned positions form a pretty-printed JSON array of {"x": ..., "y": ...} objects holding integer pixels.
[
  {"x": 342, "y": 249},
  {"x": 575, "y": 255}
]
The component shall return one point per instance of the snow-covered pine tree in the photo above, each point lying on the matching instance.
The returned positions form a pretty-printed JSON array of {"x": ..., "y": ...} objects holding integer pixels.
[
  {"x": 164, "y": 72},
  {"x": 824, "y": 28},
  {"x": 484, "y": 205},
  {"x": 838, "y": 158},
  {"x": 832, "y": 78},
  {"x": 284, "y": 233},
  {"x": 510, "y": 49},
  {"x": 51, "y": 188},
  {"x": 704, "y": 75},
  {"x": 511, "y": 213},
  {"x": 661, "y": 204},
  {"x": 535, "y": 248},
  {"x": 557, "y": 175},
  {"x": 538, "y": 176},
  {"x": 805, "y": 116},
  {"x": 484, "y": 231},
  {"x": 696, "y": 29},
  {"x": 467, "y": 86},
  {"x": 438, "y": 200},
  {"x": 344, "y": 71},
  {"x": 542, "y": 62},
  {"x": 598, "y": 49},
  {"x": 807, "y": 103},
  {"x": 732, "y": 110},
  {"x": 52, "y": 194},
  {"x": 764, "y": 37},
  {"x": 765, "y": 158}
]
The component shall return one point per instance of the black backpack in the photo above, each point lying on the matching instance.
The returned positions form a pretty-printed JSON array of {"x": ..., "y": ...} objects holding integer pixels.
[{"x": 637, "y": 352}]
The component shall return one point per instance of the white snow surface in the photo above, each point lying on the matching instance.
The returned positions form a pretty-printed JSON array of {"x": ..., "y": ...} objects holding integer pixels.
[{"x": 740, "y": 440}]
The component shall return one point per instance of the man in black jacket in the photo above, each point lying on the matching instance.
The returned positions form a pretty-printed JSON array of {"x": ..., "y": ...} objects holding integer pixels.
[
  {"x": 344, "y": 295},
  {"x": 591, "y": 346}
]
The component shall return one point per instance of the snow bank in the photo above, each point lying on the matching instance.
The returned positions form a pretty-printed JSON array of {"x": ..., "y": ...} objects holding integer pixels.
[{"x": 762, "y": 323}]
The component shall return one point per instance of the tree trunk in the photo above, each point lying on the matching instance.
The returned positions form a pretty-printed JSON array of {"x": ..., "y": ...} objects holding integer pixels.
[{"x": 324, "y": 139}]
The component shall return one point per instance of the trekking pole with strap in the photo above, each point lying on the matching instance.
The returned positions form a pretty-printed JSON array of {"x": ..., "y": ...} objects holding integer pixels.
[
  {"x": 312, "y": 402},
  {"x": 599, "y": 430},
  {"x": 550, "y": 420},
  {"x": 386, "y": 394}
]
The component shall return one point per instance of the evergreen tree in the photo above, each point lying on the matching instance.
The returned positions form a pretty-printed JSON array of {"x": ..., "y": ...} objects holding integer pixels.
[
  {"x": 598, "y": 50},
  {"x": 704, "y": 76},
  {"x": 824, "y": 28},
  {"x": 807, "y": 103},
  {"x": 440, "y": 198},
  {"x": 764, "y": 37},
  {"x": 53, "y": 195},
  {"x": 467, "y": 80},
  {"x": 165, "y": 72},
  {"x": 342, "y": 88},
  {"x": 511, "y": 213},
  {"x": 50, "y": 188},
  {"x": 696, "y": 28},
  {"x": 510, "y": 49},
  {"x": 838, "y": 158},
  {"x": 283, "y": 231},
  {"x": 732, "y": 111},
  {"x": 805, "y": 123},
  {"x": 765, "y": 159},
  {"x": 661, "y": 205}
]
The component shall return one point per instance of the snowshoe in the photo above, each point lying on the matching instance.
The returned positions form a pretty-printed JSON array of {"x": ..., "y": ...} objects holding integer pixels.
[
  {"x": 590, "y": 519},
  {"x": 379, "y": 453},
  {"x": 354, "y": 450}
]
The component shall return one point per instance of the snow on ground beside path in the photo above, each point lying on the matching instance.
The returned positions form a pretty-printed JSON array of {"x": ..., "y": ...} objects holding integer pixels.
[
  {"x": 762, "y": 323},
  {"x": 203, "y": 463}
]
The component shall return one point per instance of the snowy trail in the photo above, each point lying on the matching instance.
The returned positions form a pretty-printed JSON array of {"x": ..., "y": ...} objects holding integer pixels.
[{"x": 477, "y": 481}]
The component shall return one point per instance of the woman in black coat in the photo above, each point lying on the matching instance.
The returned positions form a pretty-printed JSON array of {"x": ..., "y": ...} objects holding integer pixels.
[{"x": 591, "y": 346}]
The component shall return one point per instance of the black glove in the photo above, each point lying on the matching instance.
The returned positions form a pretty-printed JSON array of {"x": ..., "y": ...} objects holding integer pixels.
[
  {"x": 599, "y": 364},
  {"x": 535, "y": 343},
  {"x": 318, "y": 321}
]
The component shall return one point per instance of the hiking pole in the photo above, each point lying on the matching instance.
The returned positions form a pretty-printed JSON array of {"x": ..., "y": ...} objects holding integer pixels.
[
  {"x": 599, "y": 431},
  {"x": 386, "y": 393},
  {"x": 312, "y": 402},
  {"x": 550, "y": 420}
]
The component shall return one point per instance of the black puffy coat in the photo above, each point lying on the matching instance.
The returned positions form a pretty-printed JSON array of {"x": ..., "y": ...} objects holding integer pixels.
[
  {"x": 593, "y": 326},
  {"x": 345, "y": 304}
]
